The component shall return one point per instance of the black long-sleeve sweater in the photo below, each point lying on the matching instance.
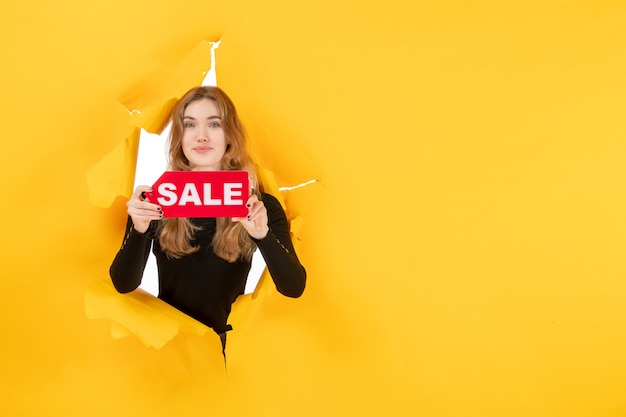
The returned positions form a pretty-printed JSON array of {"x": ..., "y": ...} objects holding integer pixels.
[{"x": 203, "y": 285}]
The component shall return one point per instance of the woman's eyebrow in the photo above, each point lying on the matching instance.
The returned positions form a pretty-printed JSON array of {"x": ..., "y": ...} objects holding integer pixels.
[{"x": 208, "y": 118}]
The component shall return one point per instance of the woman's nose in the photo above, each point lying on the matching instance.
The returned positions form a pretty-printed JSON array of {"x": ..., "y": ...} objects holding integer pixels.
[{"x": 203, "y": 135}]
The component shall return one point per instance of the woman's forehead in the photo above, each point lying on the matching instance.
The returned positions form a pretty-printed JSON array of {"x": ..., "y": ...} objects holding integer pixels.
[{"x": 201, "y": 107}]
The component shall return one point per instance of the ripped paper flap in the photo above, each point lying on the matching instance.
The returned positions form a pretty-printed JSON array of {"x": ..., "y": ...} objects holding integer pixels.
[{"x": 152, "y": 320}]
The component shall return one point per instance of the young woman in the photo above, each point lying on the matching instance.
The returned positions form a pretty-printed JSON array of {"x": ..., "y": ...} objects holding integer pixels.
[{"x": 203, "y": 263}]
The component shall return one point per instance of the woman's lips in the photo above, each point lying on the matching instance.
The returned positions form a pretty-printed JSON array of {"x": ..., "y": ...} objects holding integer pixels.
[{"x": 202, "y": 148}]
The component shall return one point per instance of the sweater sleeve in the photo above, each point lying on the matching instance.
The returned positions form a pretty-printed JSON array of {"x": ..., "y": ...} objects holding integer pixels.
[
  {"x": 277, "y": 249},
  {"x": 127, "y": 268}
]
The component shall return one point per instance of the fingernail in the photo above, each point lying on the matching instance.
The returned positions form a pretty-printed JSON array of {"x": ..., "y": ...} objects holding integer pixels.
[
  {"x": 143, "y": 195},
  {"x": 249, "y": 217},
  {"x": 159, "y": 208},
  {"x": 248, "y": 205}
]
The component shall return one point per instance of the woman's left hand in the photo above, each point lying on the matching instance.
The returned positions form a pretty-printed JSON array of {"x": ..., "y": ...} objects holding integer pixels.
[{"x": 256, "y": 222}]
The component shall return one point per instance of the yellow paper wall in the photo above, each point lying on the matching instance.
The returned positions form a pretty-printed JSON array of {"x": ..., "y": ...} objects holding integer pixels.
[{"x": 464, "y": 246}]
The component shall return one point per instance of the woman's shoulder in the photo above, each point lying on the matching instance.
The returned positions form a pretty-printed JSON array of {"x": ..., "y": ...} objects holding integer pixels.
[
  {"x": 271, "y": 203},
  {"x": 267, "y": 197}
]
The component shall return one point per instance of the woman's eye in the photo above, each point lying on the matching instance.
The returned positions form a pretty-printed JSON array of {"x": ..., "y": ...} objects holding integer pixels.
[
  {"x": 188, "y": 125},
  {"x": 214, "y": 124}
]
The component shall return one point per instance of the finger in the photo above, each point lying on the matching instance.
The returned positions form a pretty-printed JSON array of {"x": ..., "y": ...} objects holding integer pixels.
[
  {"x": 143, "y": 204},
  {"x": 140, "y": 193},
  {"x": 146, "y": 208},
  {"x": 252, "y": 214},
  {"x": 252, "y": 200},
  {"x": 257, "y": 209},
  {"x": 141, "y": 215},
  {"x": 245, "y": 222},
  {"x": 140, "y": 208}
]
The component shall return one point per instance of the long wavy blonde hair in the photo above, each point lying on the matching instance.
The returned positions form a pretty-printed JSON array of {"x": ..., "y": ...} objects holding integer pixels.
[{"x": 231, "y": 241}]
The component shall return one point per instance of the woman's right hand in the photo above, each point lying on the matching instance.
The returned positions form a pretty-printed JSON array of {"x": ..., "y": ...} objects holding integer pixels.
[{"x": 141, "y": 210}]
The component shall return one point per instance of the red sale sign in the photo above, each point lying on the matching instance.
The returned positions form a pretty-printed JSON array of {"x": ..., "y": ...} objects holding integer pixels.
[{"x": 202, "y": 193}]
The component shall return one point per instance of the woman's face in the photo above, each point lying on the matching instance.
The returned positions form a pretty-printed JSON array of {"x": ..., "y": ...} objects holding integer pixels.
[{"x": 203, "y": 140}]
